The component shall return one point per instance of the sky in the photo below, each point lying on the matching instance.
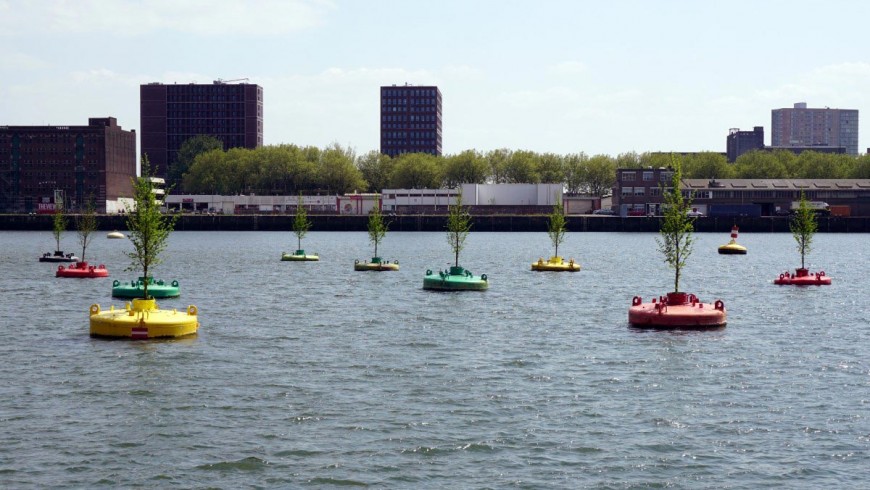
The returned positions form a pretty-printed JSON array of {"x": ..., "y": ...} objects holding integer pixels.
[{"x": 547, "y": 76}]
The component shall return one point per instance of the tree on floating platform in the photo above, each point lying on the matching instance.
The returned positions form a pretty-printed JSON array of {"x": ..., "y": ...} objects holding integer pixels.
[
  {"x": 377, "y": 227},
  {"x": 58, "y": 224},
  {"x": 803, "y": 226},
  {"x": 676, "y": 230},
  {"x": 301, "y": 224},
  {"x": 149, "y": 229},
  {"x": 86, "y": 225},
  {"x": 458, "y": 226},
  {"x": 557, "y": 227}
]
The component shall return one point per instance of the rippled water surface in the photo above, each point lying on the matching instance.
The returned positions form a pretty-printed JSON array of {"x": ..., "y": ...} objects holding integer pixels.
[{"x": 310, "y": 374}]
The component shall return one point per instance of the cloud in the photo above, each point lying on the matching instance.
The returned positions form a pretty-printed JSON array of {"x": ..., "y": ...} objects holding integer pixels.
[
  {"x": 131, "y": 18},
  {"x": 17, "y": 62},
  {"x": 568, "y": 68}
]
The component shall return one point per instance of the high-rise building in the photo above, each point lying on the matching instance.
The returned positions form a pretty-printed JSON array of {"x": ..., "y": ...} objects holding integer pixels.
[
  {"x": 410, "y": 119},
  {"x": 172, "y": 114},
  {"x": 41, "y": 166},
  {"x": 740, "y": 142},
  {"x": 803, "y": 127}
]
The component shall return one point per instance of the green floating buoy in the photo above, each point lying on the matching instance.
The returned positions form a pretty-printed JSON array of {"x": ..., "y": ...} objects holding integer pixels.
[
  {"x": 299, "y": 256},
  {"x": 455, "y": 279},
  {"x": 156, "y": 289}
]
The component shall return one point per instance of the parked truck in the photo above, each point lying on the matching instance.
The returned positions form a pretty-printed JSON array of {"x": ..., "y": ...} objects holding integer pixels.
[
  {"x": 730, "y": 210},
  {"x": 820, "y": 207}
]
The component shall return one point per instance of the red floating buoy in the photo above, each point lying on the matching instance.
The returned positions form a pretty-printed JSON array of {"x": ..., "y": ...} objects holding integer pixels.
[
  {"x": 677, "y": 310},
  {"x": 82, "y": 270},
  {"x": 803, "y": 277}
]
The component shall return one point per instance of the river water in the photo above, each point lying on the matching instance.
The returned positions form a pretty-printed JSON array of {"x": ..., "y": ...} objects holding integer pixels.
[{"x": 310, "y": 374}]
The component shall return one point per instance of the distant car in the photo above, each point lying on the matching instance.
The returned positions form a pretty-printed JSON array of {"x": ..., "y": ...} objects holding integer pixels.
[
  {"x": 608, "y": 212},
  {"x": 694, "y": 214}
]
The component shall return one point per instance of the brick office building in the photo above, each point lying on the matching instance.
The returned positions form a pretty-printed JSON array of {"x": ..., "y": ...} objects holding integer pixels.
[
  {"x": 39, "y": 164},
  {"x": 410, "y": 120},
  {"x": 172, "y": 114}
]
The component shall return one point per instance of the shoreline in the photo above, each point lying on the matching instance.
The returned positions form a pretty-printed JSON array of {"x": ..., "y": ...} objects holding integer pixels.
[{"x": 398, "y": 223}]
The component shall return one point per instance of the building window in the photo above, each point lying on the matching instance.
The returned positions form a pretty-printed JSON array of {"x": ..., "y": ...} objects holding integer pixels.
[
  {"x": 654, "y": 191},
  {"x": 647, "y": 176},
  {"x": 627, "y": 191},
  {"x": 666, "y": 176},
  {"x": 628, "y": 176},
  {"x": 639, "y": 191}
]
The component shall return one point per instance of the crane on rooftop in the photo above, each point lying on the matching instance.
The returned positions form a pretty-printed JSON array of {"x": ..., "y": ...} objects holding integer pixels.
[{"x": 221, "y": 81}]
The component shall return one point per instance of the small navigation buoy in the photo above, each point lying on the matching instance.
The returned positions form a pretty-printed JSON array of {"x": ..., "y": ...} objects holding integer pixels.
[
  {"x": 677, "y": 311},
  {"x": 803, "y": 277},
  {"x": 732, "y": 248}
]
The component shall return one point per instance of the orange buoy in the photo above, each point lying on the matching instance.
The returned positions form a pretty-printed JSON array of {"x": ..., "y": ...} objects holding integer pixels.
[{"x": 677, "y": 310}]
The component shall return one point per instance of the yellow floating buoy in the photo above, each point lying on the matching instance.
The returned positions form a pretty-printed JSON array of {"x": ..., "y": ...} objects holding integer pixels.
[
  {"x": 732, "y": 248},
  {"x": 555, "y": 264},
  {"x": 143, "y": 320}
]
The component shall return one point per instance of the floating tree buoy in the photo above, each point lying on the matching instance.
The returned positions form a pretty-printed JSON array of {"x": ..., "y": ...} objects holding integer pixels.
[
  {"x": 803, "y": 277},
  {"x": 732, "y": 248},
  {"x": 455, "y": 279},
  {"x": 135, "y": 289},
  {"x": 677, "y": 310},
  {"x": 299, "y": 256},
  {"x": 555, "y": 264},
  {"x": 143, "y": 320},
  {"x": 82, "y": 270},
  {"x": 58, "y": 256},
  {"x": 377, "y": 264}
]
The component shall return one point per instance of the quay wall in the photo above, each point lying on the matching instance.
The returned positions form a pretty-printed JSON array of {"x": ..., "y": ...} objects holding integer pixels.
[{"x": 508, "y": 223}]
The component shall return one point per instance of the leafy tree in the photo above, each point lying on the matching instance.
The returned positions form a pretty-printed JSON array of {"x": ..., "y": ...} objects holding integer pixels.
[
  {"x": 676, "y": 231},
  {"x": 551, "y": 169},
  {"x": 803, "y": 226},
  {"x": 377, "y": 227},
  {"x": 375, "y": 168},
  {"x": 337, "y": 172},
  {"x": 415, "y": 171},
  {"x": 707, "y": 165},
  {"x": 458, "y": 226},
  {"x": 760, "y": 165},
  {"x": 468, "y": 167},
  {"x": 301, "y": 224},
  {"x": 522, "y": 168},
  {"x": 575, "y": 172},
  {"x": 187, "y": 154},
  {"x": 86, "y": 225},
  {"x": 149, "y": 229},
  {"x": 600, "y": 175},
  {"x": 557, "y": 227},
  {"x": 58, "y": 223},
  {"x": 498, "y": 161}
]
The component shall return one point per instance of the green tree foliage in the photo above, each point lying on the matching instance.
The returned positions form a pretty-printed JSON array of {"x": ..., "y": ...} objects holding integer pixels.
[
  {"x": 86, "y": 225},
  {"x": 600, "y": 175},
  {"x": 706, "y": 165},
  {"x": 188, "y": 152},
  {"x": 522, "y": 168},
  {"x": 149, "y": 229},
  {"x": 574, "y": 167},
  {"x": 375, "y": 168},
  {"x": 551, "y": 168},
  {"x": 557, "y": 227},
  {"x": 301, "y": 224},
  {"x": 458, "y": 226},
  {"x": 377, "y": 227},
  {"x": 416, "y": 171},
  {"x": 803, "y": 226},
  {"x": 676, "y": 239},
  {"x": 498, "y": 162},
  {"x": 468, "y": 167},
  {"x": 337, "y": 172},
  {"x": 58, "y": 223}
]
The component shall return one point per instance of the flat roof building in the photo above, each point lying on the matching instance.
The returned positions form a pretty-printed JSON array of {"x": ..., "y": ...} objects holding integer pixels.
[
  {"x": 803, "y": 127},
  {"x": 44, "y": 165},
  {"x": 172, "y": 114},
  {"x": 740, "y": 142},
  {"x": 410, "y": 119}
]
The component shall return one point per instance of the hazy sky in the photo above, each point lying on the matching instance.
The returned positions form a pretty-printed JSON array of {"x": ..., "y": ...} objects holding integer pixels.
[{"x": 547, "y": 76}]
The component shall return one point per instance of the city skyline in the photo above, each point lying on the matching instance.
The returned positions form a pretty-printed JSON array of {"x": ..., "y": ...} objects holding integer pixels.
[{"x": 556, "y": 76}]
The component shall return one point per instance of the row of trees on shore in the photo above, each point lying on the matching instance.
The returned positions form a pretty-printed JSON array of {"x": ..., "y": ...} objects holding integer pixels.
[{"x": 204, "y": 168}]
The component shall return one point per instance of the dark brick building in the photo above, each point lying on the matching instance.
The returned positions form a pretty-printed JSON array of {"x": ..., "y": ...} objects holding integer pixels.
[
  {"x": 740, "y": 142},
  {"x": 74, "y": 163},
  {"x": 172, "y": 114},
  {"x": 410, "y": 120}
]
